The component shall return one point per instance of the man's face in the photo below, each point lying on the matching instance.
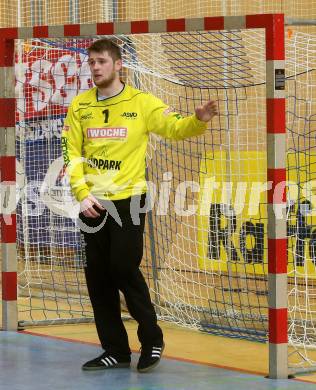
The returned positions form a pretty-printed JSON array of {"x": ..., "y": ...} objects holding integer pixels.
[{"x": 103, "y": 69}]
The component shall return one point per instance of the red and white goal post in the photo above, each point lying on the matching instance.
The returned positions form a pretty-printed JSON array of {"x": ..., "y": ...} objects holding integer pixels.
[{"x": 273, "y": 25}]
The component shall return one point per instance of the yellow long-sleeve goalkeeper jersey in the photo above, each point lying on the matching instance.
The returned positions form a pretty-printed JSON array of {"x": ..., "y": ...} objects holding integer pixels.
[{"x": 104, "y": 141}]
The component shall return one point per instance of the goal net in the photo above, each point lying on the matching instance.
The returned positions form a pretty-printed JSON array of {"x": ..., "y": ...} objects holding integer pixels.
[
  {"x": 205, "y": 254},
  {"x": 190, "y": 266},
  {"x": 301, "y": 155}
]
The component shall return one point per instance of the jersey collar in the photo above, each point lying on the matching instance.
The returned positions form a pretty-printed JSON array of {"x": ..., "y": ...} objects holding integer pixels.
[{"x": 102, "y": 98}]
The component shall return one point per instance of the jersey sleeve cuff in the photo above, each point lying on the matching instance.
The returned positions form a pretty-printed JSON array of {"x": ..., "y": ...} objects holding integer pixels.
[
  {"x": 82, "y": 194},
  {"x": 201, "y": 126}
]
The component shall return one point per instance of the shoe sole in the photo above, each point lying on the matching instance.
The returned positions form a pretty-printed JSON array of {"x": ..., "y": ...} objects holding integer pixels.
[
  {"x": 147, "y": 369},
  {"x": 119, "y": 365}
]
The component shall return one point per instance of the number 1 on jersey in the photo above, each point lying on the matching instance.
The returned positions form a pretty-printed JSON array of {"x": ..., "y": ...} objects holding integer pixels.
[{"x": 106, "y": 115}]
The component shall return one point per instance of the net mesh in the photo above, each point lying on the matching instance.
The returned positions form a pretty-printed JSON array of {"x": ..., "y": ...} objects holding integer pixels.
[
  {"x": 301, "y": 71},
  {"x": 49, "y": 245},
  {"x": 51, "y": 73}
]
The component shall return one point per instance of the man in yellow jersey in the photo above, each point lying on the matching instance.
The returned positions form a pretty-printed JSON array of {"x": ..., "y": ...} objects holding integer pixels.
[{"x": 104, "y": 143}]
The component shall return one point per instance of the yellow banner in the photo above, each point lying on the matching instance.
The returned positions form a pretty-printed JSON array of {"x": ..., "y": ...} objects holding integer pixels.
[{"x": 232, "y": 214}]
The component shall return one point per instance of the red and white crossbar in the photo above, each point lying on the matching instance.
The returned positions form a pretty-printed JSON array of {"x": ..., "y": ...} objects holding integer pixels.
[{"x": 276, "y": 147}]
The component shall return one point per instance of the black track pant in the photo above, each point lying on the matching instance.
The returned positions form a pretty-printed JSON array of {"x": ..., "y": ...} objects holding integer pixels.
[{"x": 113, "y": 257}]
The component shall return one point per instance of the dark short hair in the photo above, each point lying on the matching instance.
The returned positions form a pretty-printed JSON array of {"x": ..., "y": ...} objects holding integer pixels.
[{"x": 105, "y": 44}]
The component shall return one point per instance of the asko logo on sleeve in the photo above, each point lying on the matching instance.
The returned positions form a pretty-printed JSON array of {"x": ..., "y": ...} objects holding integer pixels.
[{"x": 107, "y": 132}]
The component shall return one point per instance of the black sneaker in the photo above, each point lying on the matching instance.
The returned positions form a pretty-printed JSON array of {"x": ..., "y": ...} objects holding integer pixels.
[
  {"x": 106, "y": 361},
  {"x": 149, "y": 358}
]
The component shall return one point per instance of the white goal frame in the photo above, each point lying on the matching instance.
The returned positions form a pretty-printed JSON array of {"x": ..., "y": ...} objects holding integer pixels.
[{"x": 273, "y": 24}]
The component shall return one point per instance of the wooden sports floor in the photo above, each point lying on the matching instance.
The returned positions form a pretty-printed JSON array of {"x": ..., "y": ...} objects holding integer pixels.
[{"x": 50, "y": 357}]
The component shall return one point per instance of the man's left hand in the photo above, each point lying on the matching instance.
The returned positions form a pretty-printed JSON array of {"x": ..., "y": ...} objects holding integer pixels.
[{"x": 206, "y": 111}]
